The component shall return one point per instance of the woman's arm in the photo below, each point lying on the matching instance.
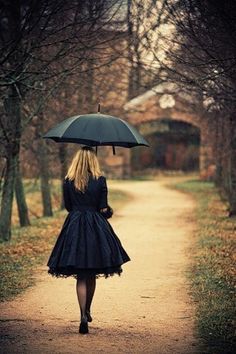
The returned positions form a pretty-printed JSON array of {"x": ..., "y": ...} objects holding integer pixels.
[
  {"x": 66, "y": 197},
  {"x": 103, "y": 194},
  {"x": 104, "y": 208}
]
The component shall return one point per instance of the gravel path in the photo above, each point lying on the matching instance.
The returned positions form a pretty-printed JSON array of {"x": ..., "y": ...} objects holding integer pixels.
[{"x": 146, "y": 310}]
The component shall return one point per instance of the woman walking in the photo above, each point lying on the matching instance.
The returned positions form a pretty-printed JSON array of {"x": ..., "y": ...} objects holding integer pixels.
[{"x": 87, "y": 246}]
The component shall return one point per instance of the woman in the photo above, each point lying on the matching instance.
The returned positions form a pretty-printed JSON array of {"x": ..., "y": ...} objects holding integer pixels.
[{"x": 87, "y": 246}]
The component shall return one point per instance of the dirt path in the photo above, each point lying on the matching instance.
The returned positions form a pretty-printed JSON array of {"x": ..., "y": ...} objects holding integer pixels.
[{"x": 146, "y": 310}]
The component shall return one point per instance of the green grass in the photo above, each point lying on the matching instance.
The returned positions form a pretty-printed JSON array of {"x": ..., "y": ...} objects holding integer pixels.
[
  {"x": 212, "y": 273},
  {"x": 30, "y": 246}
]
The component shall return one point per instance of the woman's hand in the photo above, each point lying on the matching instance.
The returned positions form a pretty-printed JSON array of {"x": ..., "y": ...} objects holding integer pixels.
[
  {"x": 107, "y": 212},
  {"x": 104, "y": 210}
]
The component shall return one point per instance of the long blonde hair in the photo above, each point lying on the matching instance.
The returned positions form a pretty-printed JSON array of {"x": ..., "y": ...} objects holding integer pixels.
[{"x": 84, "y": 164}]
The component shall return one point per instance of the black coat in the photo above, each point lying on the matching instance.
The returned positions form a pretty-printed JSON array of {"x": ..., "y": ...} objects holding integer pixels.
[{"x": 95, "y": 196}]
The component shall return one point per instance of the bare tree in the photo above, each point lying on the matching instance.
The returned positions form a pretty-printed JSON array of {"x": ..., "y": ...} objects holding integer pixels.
[
  {"x": 36, "y": 37},
  {"x": 196, "y": 49},
  {"x": 144, "y": 18}
]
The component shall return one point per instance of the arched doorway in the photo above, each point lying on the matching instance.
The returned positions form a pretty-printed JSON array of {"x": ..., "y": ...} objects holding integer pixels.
[{"x": 174, "y": 145}]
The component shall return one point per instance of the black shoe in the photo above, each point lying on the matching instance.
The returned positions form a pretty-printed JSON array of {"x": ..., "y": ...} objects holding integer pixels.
[
  {"x": 89, "y": 317},
  {"x": 83, "y": 328}
]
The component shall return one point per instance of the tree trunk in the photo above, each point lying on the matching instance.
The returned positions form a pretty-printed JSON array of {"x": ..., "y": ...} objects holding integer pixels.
[
  {"x": 12, "y": 125},
  {"x": 44, "y": 169},
  {"x": 7, "y": 198},
  {"x": 131, "y": 93},
  {"x": 90, "y": 85},
  {"x": 134, "y": 50},
  {"x": 44, "y": 179},
  {"x": 62, "y": 157},
  {"x": 232, "y": 167},
  {"x": 20, "y": 197},
  {"x": 232, "y": 196},
  {"x": 13, "y": 133},
  {"x": 218, "y": 151}
]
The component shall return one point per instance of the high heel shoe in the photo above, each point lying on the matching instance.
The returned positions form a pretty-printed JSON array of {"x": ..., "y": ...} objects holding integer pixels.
[
  {"x": 89, "y": 317},
  {"x": 83, "y": 328}
]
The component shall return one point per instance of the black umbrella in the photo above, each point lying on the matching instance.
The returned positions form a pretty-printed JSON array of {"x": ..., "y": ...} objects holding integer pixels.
[{"x": 96, "y": 129}]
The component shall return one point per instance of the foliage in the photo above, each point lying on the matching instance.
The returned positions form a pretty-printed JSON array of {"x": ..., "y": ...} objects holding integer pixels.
[
  {"x": 31, "y": 246},
  {"x": 212, "y": 272}
]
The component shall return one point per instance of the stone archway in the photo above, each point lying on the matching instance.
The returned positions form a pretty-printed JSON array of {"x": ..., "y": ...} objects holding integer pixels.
[
  {"x": 162, "y": 102},
  {"x": 174, "y": 145}
]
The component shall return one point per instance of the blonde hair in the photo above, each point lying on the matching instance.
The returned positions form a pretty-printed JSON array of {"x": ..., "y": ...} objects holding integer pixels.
[{"x": 84, "y": 164}]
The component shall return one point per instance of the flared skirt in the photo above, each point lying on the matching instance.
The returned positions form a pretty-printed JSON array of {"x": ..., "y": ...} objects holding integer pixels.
[{"x": 87, "y": 246}]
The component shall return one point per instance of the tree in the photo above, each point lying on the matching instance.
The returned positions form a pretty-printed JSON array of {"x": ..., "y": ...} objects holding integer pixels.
[
  {"x": 143, "y": 19},
  {"x": 198, "y": 53},
  {"x": 36, "y": 37}
]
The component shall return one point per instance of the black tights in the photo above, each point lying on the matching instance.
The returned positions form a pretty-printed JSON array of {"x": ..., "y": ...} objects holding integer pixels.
[{"x": 85, "y": 289}]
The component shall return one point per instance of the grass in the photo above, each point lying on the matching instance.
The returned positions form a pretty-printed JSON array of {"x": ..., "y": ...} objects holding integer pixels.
[
  {"x": 30, "y": 246},
  {"x": 212, "y": 272}
]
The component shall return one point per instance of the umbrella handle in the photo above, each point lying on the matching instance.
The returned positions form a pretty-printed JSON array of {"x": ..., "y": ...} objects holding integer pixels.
[
  {"x": 113, "y": 149},
  {"x": 99, "y": 108}
]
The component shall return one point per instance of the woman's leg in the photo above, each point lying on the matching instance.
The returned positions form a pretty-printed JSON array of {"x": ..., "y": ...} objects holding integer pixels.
[
  {"x": 91, "y": 286},
  {"x": 81, "y": 289}
]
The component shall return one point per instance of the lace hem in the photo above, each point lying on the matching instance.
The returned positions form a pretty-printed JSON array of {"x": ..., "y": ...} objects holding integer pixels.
[{"x": 85, "y": 273}]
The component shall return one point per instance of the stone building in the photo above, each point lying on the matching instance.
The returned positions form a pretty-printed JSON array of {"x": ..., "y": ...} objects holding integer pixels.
[{"x": 179, "y": 134}]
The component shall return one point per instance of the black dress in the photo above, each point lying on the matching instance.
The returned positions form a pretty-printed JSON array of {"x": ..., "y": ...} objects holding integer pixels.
[{"x": 87, "y": 245}]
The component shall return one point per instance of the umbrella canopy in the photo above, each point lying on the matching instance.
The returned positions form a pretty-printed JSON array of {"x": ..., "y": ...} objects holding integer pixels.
[{"x": 96, "y": 130}]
